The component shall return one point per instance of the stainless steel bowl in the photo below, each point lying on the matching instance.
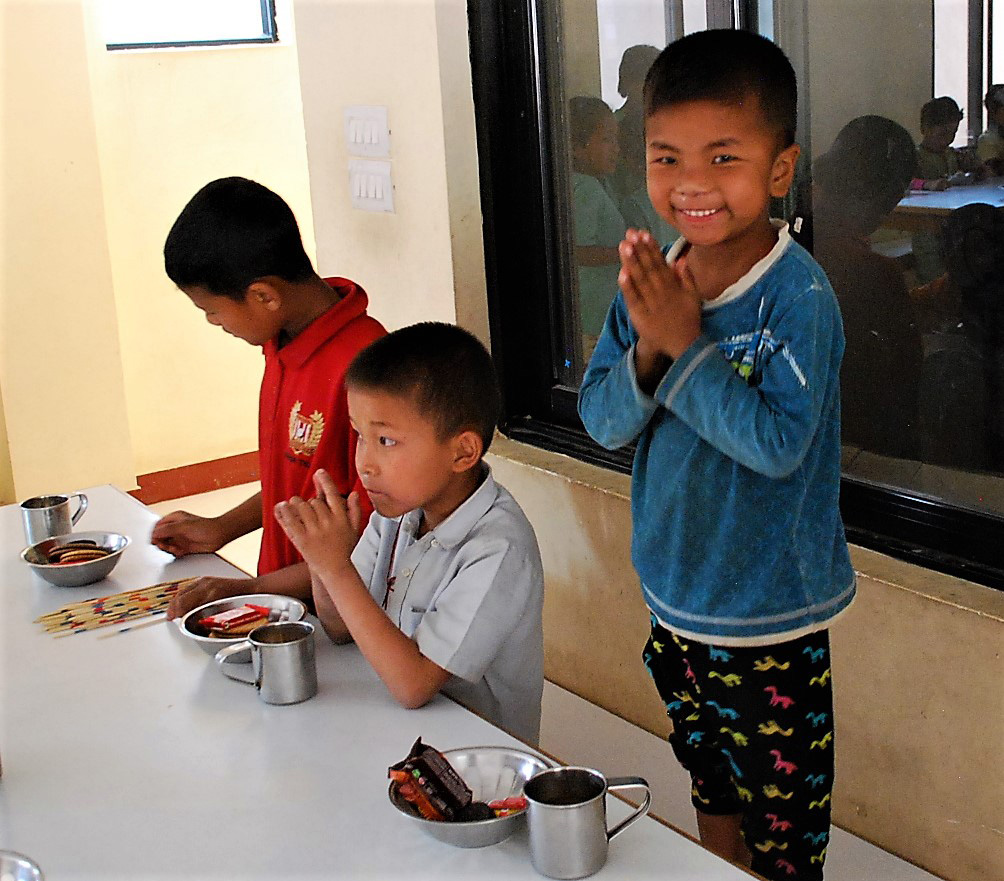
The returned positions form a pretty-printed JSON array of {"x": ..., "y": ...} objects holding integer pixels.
[
  {"x": 75, "y": 574},
  {"x": 492, "y": 772},
  {"x": 18, "y": 867},
  {"x": 282, "y": 609}
]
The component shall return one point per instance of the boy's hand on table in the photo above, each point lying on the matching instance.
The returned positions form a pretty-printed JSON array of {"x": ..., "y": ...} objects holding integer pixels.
[
  {"x": 180, "y": 533},
  {"x": 324, "y": 529},
  {"x": 662, "y": 301},
  {"x": 205, "y": 590}
]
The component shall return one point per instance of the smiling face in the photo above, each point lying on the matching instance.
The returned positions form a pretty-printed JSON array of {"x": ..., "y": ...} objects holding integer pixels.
[
  {"x": 402, "y": 460},
  {"x": 256, "y": 319},
  {"x": 712, "y": 169}
]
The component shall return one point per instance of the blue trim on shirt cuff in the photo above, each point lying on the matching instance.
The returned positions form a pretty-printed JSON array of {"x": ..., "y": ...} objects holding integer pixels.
[
  {"x": 681, "y": 368},
  {"x": 647, "y": 403}
]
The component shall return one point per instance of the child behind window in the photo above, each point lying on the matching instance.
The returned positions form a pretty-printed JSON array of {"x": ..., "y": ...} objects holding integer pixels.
[{"x": 599, "y": 226}]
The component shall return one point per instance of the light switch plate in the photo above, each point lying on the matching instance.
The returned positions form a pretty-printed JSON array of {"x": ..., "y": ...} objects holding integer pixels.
[
  {"x": 370, "y": 185},
  {"x": 366, "y": 130}
]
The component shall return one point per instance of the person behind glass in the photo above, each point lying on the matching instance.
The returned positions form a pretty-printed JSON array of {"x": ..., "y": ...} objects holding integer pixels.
[
  {"x": 990, "y": 145},
  {"x": 599, "y": 226},
  {"x": 628, "y": 181},
  {"x": 630, "y": 117},
  {"x": 720, "y": 358},
  {"x": 856, "y": 184},
  {"x": 444, "y": 590},
  {"x": 962, "y": 408},
  {"x": 235, "y": 250},
  {"x": 939, "y": 165}
]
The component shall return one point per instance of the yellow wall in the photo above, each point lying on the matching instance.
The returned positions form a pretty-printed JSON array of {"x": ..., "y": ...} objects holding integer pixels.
[
  {"x": 61, "y": 378},
  {"x": 168, "y": 122},
  {"x": 102, "y": 150}
]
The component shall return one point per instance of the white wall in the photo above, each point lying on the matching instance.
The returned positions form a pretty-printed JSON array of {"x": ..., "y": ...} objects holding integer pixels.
[
  {"x": 867, "y": 57},
  {"x": 386, "y": 54}
]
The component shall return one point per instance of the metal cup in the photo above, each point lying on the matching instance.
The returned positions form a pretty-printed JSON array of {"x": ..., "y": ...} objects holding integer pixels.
[
  {"x": 18, "y": 867},
  {"x": 568, "y": 819},
  {"x": 46, "y": 516},
  {"x": 282, "y": 661}
]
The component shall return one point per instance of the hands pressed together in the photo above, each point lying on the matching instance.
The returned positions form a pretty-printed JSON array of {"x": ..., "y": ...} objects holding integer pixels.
[
  {"x": 323, "y": 529},
  {"x": 662, "y": 301}
]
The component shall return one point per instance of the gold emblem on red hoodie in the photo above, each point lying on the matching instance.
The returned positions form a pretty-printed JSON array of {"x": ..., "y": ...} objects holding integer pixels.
[{"x": 305, "y": 432}]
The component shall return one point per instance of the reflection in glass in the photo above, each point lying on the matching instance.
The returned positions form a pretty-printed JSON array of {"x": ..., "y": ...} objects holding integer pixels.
[
  {"x": 963, "y": 375},
  {"x": 599, "y": 226},
  {"x": 858, "y": 182},
  {"x": 990, "y": 144}
]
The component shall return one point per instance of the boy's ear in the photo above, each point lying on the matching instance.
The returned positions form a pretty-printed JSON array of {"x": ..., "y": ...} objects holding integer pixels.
[
  {"x": 467, "y": 450},
  {"x": 263, "y": 293},
  {"x": 782, "y": 173}
]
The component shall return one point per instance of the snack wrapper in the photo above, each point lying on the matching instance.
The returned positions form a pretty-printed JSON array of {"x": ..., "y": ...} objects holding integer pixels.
[
  {"x": 232, "y": 618},
  {"x": 427, "y": 780}
]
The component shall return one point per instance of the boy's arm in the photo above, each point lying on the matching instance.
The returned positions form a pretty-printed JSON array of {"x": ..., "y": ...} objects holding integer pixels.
[
  {"x": 767, "y": 427},
  {"x": 612, "y": 406},
  {"x": 324, "y": 530},
  {"x": 410, "y": 677},
  {"x": 496, "y": 586},
  {"x": 292, "y": 581},
  {"x": 180, "y": 533}
]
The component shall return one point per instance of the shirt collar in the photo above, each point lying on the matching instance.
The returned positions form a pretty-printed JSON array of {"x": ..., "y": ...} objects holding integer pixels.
[
  {"x": 351, "y": 305},
  {"x": 739, "y": 287},
  {"x": 455, "y": 528}
]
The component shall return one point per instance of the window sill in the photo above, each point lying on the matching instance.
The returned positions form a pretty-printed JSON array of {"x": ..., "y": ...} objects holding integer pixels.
[{"x": 926, "y": 583}]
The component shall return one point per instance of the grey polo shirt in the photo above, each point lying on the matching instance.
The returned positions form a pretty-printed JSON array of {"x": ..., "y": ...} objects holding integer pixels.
[{"x": 470, "y": 593}]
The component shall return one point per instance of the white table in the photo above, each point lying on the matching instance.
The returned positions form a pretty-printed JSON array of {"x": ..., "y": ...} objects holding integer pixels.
[
  {"x": 133, "y": 758},
  {"x": 921, "y": 211}
]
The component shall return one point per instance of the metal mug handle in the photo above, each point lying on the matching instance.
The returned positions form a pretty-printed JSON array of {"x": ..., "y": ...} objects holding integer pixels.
[
  {"x": 81, "y": 507},
  {"x": 629, "y": 783},
  {"x": 224, "y": 653}
]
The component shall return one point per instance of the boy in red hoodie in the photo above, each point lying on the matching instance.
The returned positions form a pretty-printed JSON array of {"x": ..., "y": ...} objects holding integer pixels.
[{"x": 235, "y": 250}]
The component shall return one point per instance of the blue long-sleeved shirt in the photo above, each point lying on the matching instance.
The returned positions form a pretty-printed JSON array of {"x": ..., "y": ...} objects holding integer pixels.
[{"x": 736, "y": 530}]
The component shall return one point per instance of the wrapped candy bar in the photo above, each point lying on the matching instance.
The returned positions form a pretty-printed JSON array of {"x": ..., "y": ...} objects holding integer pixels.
[
  {"x": 231, "y": 619},
  {"x": 427, "y": 780}
]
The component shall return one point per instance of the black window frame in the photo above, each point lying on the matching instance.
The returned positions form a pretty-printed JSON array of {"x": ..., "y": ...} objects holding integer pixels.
[
  {"x": 270, "y": 34},
  {"x": 521, "y": 251}
]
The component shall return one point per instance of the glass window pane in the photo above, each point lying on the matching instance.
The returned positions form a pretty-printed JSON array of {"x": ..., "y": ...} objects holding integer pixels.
[
  {"x": 918, "y": 272},
  {"x": 127, "y": 22},
  {"x": 907, "y": 226}
]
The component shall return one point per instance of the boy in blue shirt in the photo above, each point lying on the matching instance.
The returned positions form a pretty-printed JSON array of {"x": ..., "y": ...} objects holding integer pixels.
[
  {"x": 444, "y": 591},
  {"x": 721, "y": 359}
]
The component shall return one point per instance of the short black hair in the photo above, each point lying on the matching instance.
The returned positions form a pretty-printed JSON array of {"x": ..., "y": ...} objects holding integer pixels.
[
  {"x": 233, "y": 232},
  {"x": 634, "y": 66},
  {"x": 940, "y": 111},
  {"x": 726, "y": 66},
  {"x": 446, "y": 371},
  {"x": 584, "y": 115}
]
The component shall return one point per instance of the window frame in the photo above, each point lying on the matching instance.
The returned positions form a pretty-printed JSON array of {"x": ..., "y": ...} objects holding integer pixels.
[
  {"x": 521, "y": 259},
  {"x": 270, "y": 34}
]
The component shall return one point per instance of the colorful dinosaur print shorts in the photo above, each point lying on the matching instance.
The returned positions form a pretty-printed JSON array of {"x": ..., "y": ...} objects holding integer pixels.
[{"x": 754, "y": 727}]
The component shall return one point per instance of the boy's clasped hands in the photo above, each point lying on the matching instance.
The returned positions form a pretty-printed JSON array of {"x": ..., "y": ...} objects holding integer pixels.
[
  {"x": 324, "y": 529},
  {"x": 662, "y": 301}
]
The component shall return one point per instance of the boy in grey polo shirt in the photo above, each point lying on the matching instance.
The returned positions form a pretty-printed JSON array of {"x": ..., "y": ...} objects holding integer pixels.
[{"x": 444, "y": 590}]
